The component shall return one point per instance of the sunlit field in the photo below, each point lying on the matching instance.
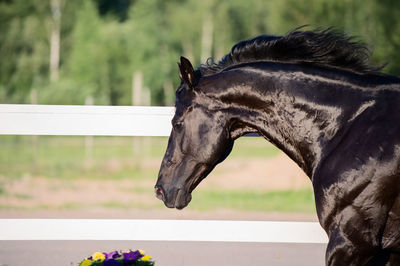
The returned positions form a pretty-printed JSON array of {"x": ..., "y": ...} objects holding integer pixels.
[{"x": 78, "y": 173}]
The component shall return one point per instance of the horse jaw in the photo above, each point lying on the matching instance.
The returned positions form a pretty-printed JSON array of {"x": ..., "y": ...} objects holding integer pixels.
[
  {"x": 182, "y": 199},
  {"x": 180, "y": 195}
]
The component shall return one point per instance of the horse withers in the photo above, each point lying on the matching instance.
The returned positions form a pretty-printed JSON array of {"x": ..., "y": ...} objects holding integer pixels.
[{"x": 314, "y": 95}]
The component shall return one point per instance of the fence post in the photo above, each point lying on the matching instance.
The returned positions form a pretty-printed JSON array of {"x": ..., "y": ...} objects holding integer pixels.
[
  {"x": 89, "y": 139},
  {"x": 35, "y": 138},
  {"x": 137, "y": 87}
]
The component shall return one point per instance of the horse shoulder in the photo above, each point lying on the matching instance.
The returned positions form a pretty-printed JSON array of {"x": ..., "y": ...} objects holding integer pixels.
[
  {"x": 391, "y": 233},
  {"x": 358, "y": 180}
]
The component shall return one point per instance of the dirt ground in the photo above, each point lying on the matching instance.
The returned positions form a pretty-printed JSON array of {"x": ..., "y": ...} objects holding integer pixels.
[
  {"x": 40, "y": 197},
  {"x": 277, "y": 173}
]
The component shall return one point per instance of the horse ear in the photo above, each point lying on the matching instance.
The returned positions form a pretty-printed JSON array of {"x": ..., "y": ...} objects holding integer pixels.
[{"x": 186, "y": 72}]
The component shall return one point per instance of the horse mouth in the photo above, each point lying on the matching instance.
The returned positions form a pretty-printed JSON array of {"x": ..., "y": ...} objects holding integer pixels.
[
  {"x": 180, "y": 200},
  {"x": 182, "y": 195}
]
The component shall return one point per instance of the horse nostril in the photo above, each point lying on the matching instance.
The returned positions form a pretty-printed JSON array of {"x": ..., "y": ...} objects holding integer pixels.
[{"x": 159, "y": 193}]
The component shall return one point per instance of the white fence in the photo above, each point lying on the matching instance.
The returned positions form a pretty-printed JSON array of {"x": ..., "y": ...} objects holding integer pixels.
[
  {"x": 128, "y": 121},
  {"x": 161, "y": 230},
  {"x": 20, "y": 119}
]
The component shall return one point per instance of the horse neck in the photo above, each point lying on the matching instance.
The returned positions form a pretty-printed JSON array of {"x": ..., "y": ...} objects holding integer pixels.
[{"x": 299, "y": 118}]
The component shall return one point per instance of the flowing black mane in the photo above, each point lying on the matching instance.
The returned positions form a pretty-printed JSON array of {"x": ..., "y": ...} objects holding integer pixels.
[{"x": 319, "y": 47}]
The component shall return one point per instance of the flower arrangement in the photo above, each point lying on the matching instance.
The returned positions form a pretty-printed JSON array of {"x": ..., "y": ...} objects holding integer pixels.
[{"x": 115, "y": 258}]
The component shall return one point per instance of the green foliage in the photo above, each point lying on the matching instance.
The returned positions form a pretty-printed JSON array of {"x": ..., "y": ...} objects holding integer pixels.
[
  {"x": 103, "y": 42},
  {"x": 282, "y": 201},
  {"x": 66, "y": 157},
  {"x": 23, "y": 48},
  {"x": 373, "y": 22}
]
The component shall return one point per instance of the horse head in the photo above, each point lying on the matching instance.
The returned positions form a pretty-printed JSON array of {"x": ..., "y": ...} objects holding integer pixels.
[{"x": 199, "y": 140}]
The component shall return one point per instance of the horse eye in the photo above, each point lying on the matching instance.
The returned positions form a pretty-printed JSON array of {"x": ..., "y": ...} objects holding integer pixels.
[
  {"x": 178, "y": 125},
  {"x": 169, "y": 163}
]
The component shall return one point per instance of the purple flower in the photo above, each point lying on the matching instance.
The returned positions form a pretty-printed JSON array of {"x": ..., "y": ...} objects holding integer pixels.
[
  {"x": 132, "y": 255},
  {"x": 111, "y": 262},
  {"x": 111, "y": 255}
]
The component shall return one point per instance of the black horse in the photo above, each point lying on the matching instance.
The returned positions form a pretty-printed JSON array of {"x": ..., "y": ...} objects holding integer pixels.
[{"x": 314, "y": 95}]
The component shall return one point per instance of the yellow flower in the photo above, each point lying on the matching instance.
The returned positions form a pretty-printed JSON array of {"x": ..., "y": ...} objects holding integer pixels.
[
  {"x": 98, "y": 256},
  {"x": 146, "y": 258},
  {"x": 141, "y": 251},
  {"x": 85, "y": 262}
]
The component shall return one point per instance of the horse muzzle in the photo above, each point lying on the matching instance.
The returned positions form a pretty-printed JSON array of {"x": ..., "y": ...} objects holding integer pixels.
[{"x": 176, "y": 198}]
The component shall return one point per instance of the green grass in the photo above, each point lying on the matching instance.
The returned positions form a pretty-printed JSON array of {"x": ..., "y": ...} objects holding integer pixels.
[
  {"x": 253, "y": 147},
  {"x": 131, "y": 205},
  {"x": 114, "y": 158},
  {"x": 66, "y": 157},
  {"x": 21, "y": 196},
  {"x": 279, "y": 201}
]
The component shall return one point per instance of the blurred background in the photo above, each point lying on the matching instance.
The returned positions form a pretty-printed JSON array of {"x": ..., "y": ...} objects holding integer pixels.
[{"x": 124, "y": 52}]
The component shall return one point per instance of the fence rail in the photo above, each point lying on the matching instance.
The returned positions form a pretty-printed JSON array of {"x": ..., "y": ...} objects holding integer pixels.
[
  {"x": 23, "y": 119},
  {"x": 161, "y": 230},
  {"x": 17, "y": 119}
]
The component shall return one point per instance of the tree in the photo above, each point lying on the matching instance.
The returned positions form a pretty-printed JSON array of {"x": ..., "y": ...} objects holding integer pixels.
[
  {"x": 93, "y": 47},
  {"x": 373, "y": 22},
  {"x": 23, "y": 48}
]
